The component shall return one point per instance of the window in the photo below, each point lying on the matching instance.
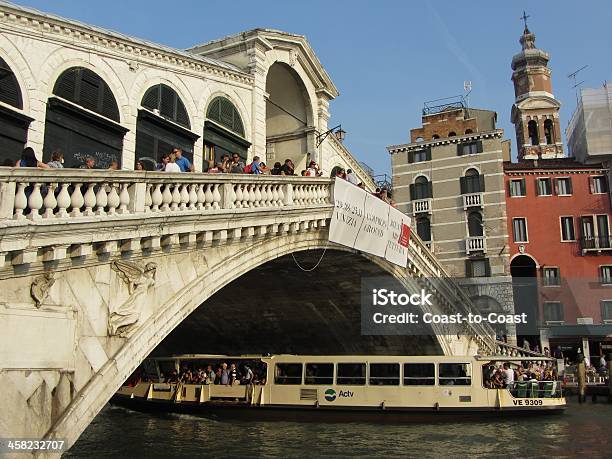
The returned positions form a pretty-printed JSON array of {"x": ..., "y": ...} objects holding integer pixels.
[
  {"x": 549, "y": 132},
  {"x": 544, "y": 187},
  {"x": 478, "y": 267},
  {"x": 421, "y": 188},
  {"x": 475, "y": 226},
  {"x": 418, "y": 156},
  {"x": 452, "y": 134},
  {"x": 532, "y": 129},
  {"x": 454, "y": 374},
  {"x": 319, "y": 373},
  {"x": 165, "y": 99},
  {"x": 419, "y": 374},
  {"x": 518, "y": 188},
  {"x": 384, "y": 374},
  {"x": 222, "y": 111},
  {"x": 567, "y": 229},
  {"x": 468, "y": 131},
  {"x": 288, "y": 373},
  {"x": 10, "y": 93},
  {"x": 606, "y": 274},
  {"x": 564, "y": 186},
  {"x": 519, "y": 228},
  {"x": 473, "y": 182},
  {"x": 469, "y": 148},
  {"x": 551, "y": 277},
  {"x": 599, "y": 184},
  {"x": 553, "y": 311},
  {"x": 351, "y": 374},
  {"x": 435, "y": 137},
  {"x": 606, "y": 311},
  {"x": 423, "y": 228}
]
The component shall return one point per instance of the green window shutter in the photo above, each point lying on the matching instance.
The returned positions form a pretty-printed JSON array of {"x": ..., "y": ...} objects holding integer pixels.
[
  {"x": 482, "y": 183},
  {"x": 429, "y": 190},
  {"x": 479, "y": 146},
  {"x": 412, "y": 192},
  {"x": 463, "y": 184},
  {"x": 523, "y": 187},
  {"x": 410, "y": 157},
  {"x": 459, "y": 149},
  {"x": 468, "y": 268},
  {"x": 569, "y": 185},
  {"x": 428, "y": 154}
]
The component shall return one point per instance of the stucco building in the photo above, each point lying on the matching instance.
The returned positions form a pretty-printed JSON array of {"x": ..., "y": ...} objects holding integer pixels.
[{"x": 86, "y": 90}]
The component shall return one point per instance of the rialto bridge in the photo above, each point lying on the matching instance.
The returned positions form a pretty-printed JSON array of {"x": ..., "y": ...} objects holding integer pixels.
[{"x": 97, "y": 268}]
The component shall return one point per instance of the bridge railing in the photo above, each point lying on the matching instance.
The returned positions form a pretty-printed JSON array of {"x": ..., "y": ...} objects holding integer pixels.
[{"x": 67, "y": 194}]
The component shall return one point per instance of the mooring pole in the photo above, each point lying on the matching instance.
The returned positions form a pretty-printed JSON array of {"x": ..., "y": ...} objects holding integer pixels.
[{"x": 581, "y": 379}]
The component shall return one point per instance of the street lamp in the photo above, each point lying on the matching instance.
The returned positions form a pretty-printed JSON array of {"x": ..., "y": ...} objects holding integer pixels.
[{"x": 337, "y": 131}]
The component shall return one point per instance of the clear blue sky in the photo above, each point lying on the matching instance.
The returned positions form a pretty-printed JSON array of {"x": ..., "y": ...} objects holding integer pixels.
[{"x": 388, "y": 57}]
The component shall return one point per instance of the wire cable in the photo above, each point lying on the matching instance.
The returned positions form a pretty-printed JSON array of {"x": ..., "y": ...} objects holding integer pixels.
[{"x": 314, "y": 267}]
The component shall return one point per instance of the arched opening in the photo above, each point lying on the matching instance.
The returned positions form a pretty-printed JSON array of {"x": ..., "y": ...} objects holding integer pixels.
[
  {"x": 224, "y": 132},
  {"x": 162, "y": 124},
  {"x": 435, "y": 137},
  {"x": 525, "y": 292},
  {"x": 419, "y": 139},
  {"x": 423, "y": 227},
  {"x": 475, "y": 226},
  {"x": 421, "y": 188},
  {"x": 532, "y": 131},
  {"x": 289, "y": 117},
  {"x": 13, "y": 124},
  {"x": 472, "y": 182},
  {"x": 452, "y": 134},
  {"x": 468, "y": 131},
  {"x": 83, "y": 120},
  {"x": 549, "y": 132}
]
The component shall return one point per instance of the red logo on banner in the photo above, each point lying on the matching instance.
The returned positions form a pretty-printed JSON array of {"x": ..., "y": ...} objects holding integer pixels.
[{"x": 404, "y": 236}]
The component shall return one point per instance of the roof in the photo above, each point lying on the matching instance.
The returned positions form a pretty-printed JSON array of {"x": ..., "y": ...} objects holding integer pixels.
[
  {"x": 120, "y": 36},
  {"x": 548, "y": 164}
]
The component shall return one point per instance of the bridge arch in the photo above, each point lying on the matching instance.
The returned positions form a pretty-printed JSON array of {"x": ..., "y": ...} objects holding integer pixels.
[{"x": 212, "y": 269}]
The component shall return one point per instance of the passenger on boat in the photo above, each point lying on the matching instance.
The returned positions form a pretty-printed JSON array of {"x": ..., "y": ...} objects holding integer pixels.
[
  {"x": 210, "y": 375},
  {"x": 508, "y": 375},
  {"x": 234, "y": 375},
  {"x": 248, "y": 375},
  {"x": 225, "y": 375}
]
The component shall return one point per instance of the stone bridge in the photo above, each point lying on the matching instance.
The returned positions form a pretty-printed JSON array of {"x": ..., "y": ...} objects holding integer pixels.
[{"x": 97, "y": 268}]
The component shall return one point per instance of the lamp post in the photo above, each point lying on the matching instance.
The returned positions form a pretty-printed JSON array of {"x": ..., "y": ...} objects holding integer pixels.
[{"x": 336, "y": 130}]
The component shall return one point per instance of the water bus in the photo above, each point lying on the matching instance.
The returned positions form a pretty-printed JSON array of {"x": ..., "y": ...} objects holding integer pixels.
[{"x": 300, "y": 387}]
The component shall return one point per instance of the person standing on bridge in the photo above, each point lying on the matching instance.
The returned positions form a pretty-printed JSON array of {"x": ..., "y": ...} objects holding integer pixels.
[
  {"x": 183, "y": 163},
  {"x": 237, "y": 165}
]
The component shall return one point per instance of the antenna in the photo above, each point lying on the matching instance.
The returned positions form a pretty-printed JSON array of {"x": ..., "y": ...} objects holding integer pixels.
[
  {"x": 572, "y": 76},
  {"x": 467, "y": 87}
]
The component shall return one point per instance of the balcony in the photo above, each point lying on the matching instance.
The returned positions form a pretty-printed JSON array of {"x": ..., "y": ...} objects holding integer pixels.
[
  {"x": 421, "y": 206},
  {"x": 472, "y": 200},
  {"x": 595, "y": 244},
  {"x": 475, "y": 244}
]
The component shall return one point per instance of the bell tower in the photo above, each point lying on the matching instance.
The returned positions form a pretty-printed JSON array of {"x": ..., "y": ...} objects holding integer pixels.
[{"x": 535, "y": 112}]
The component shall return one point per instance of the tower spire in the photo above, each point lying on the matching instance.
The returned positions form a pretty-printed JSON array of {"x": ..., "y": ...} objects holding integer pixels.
[{"x": 524, "y": 17}]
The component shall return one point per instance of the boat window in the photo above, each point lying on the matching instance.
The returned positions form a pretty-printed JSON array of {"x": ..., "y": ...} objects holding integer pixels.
[
  {"x": 351, "y": 374},
  {"x": 288, "y": 373},
  {"x": 419, "y": 374},
  {"x": 455, "y": 374},
  {"x": 384, "y": 374},
  {"x": 319, "y": 373}
]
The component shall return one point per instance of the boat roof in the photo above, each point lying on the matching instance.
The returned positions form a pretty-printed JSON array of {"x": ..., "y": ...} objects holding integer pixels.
[{"x": 350, "y": 358}]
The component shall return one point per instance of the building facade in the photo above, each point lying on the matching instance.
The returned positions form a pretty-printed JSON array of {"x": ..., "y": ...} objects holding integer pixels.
[
  {"x": 450, "y": 179},
  {"x": 84, "y": 90}
]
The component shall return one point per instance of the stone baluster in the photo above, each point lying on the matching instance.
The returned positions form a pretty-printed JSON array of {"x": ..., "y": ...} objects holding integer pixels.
[
  {"x": 50, "y": 202},
  {"x": 176, "y": 197},
  {"x": 201, "y": 197},
  {"x": 63, "y": 201},
  {"x": 274, "y": 191},
  {"x": 232, "y": 197},
  {"x": 270, "y": 201},
  {"x": 209, "y": 198},
  {"x": 246, "y": 191},
  {"x": 102, "y": 199},
  {"x": 166, "y": 198},
  {"x": 124, "y": 199},
  {"x": 193, "y": 197},
  {"x": 35, "y": 202},
  {"x": 252, "y": 196},
  {"x": 258, "y": 196},
  {"x": 287, "y": 194},
  {"x": 216, "y": 196},
  {"x": 113, "y": 199},
  {"x": 184, "y": 197},
  {"x": 76, "y": 201},
  {"x": 238, "y": 193},
  {"x": 89, "y": 200},
  {"x": 148, "y": 199},
  {"x": 297, "y": 195},
  {"x": 156, "y": 198}
]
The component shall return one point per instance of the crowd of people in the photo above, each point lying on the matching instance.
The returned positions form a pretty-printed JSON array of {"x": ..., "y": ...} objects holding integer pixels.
[
  {"x": 503, "y": 376},
  {"x": 249, "y": 372}
]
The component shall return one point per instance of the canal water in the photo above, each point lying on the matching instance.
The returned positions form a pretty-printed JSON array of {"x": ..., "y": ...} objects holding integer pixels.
[{"x": 583, "y": 431}]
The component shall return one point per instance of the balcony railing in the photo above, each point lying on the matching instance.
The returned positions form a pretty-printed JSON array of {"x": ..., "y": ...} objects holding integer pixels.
[
  {"x": 420, "y": 206},
  {"x": 595, "y": 243},
  {"x": 475, "y": 244},
  {"x": 472, "y": 200}
]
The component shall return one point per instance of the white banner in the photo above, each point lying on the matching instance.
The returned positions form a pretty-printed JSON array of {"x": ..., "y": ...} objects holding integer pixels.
[{"x": 364, "y": 222}]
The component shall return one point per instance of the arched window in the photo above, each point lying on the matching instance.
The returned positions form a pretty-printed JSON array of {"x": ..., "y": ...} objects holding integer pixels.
[
  {"x": 475, "y": 226},
  {"x": 10, "y": 93},
  {"x": 85, "y": 88},
  {"x": 223, "y": 131},
  {"x": 165, "y": 100},
  {"x": 468, "y": 131},
  {"x": 223, "y": 112},
  {"x": 532, "y": 130},
  {"x": 87, "y": 125},
  {"x": 435, "y": 137},
  {"x": 163, "y": 130},
  {"x": 13, "y": 124},
  {"x": 419, "y": 139},
  {"x": 452, "y": 134},
  {"x": 472, "y": 182},
  {"x": 423, "y": 227},
  {"x": 421, "y": 188},
  {"x": 548, "y": 131}
]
